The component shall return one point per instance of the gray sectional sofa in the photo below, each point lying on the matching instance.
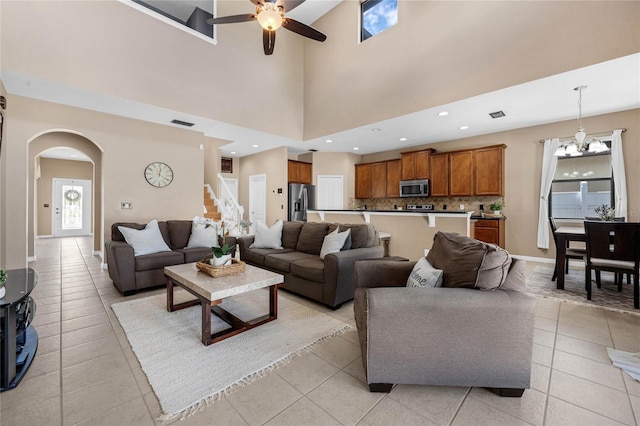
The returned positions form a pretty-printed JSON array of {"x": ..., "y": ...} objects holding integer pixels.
[
  {"x": 328, "y": 281},
  {"x": 132, "y": 273}
]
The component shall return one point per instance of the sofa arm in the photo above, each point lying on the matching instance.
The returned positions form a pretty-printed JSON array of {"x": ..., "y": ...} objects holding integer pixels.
[
  {"x": 382, "y": 273},
  {"x": 122, "y": 265},
  {"x": 244, "y": 242},
  {"x": 446, "y": 336},
  {"x": 339, "y": 272}
]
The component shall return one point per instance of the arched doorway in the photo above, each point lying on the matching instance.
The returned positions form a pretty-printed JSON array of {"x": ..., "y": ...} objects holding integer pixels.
[{"x": 41, "y": 148}]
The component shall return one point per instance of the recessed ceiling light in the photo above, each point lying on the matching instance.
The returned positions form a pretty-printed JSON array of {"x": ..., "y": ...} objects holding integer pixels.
[
  {"x": 233, "y": 152},
  {"x": 464, "y": 127},
  {"x": 255, "y": 146},
  {"x": 376, "y": 129},
  {"x": 355, "y": 148},
  {"x": 442, "y": 113},
  {"x": 328, "y": 141},
  {"x": 403, "y": 139}
]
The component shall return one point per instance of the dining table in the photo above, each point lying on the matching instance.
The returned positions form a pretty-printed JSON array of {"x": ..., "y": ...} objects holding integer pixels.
[{"x": 565, "y": 234}]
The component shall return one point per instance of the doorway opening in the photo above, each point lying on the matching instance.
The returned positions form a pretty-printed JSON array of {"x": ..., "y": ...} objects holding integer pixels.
[{"x": 71, "y": 213}]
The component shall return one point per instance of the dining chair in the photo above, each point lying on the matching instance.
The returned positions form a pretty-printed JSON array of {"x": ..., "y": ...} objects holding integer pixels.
[
  {"x": 571, "y": 253},
  {"x": 618, "y": 277},
  {"x": 613, "y": 247}
]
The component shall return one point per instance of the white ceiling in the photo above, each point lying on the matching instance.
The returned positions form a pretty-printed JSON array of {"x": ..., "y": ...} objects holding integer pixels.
[
  {"x": 65, "y": 154},
  {"x": 612, "y": 86}
]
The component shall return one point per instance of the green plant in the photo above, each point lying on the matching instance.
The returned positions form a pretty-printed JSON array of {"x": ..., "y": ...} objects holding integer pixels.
[
  {"x": 496, "y": 206},
  {"x": 221, "y": 251},
  {"x": 3, "y": 277},
  {"x": 605, "y": 212}
]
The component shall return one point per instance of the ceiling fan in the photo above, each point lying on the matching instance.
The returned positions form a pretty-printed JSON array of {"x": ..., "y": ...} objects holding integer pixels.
[{"x": 270, "y": 16}]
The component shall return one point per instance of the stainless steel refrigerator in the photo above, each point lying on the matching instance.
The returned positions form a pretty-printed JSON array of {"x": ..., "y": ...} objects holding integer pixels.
[{"x": 302, "y": 197}]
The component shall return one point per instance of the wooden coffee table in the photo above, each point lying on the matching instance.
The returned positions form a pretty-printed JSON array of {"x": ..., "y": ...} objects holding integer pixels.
[{"x": 210, "y": 292}]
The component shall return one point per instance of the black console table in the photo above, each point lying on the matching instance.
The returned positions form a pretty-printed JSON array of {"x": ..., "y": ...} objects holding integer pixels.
[{"x": 18, "y": 337}]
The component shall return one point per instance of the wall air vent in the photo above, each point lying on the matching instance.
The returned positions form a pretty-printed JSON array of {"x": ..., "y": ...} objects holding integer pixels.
[
  {"x": 313, "y": 150},
  {"x": 497, "y": 114},
  {"x": 182, "y": 123}
]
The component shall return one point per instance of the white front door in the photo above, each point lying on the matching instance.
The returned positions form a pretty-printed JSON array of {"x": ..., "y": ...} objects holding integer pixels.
[
  {"x": 330, "y": 192},
  {"x": 257, "y": 200},
  {"x": 71, "y": 207}
]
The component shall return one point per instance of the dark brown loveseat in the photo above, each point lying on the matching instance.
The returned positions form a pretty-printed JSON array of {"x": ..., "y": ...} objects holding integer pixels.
[
  {"x": 132, "y": 273},
  {"x": 328, "y": 281}
]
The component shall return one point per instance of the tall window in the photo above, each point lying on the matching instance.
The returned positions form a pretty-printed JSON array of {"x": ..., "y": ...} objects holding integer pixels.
[
  {"x": 376, "y": 16},
  {"x": 580, "y": 185}
]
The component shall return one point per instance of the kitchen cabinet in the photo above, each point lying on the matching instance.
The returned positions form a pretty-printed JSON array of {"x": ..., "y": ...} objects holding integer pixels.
[
  {"x": 378, "y": 187},
  {"x": 490, "y": 231},
  {"x": 461, "y": 167},
  {"x": 394, "y": 173},
  {"x": 439, "y": 165},
  {"x": 363, "y": 180},
  {"x": 415, "y": 165},
  {"x": 298, "y": 172},
  {"x": 489, "y": 168}
]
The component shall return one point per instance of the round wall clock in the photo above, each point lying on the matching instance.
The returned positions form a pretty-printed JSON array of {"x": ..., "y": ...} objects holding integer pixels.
[{"x": 158, "y": 174}]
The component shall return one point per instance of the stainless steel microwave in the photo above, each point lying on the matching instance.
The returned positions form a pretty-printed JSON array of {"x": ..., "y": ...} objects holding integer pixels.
[{"x": 414, "y": 188}]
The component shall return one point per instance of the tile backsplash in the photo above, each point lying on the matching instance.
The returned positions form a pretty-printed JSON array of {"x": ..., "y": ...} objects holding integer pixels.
[{"x": 452, "y": 203}]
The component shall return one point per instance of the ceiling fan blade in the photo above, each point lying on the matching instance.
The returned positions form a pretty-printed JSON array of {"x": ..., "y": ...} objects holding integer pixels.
[
  {"x": 288, "y": 5},
  {"x": 256, "y": 3},
  {"x": 268, "y": 41},
  {"x": 303, "y": 29},
  {"x": 232, "y": 19}
]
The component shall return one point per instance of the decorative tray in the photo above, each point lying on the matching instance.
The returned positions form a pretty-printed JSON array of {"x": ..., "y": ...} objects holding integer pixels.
[{"x": 236, "y": 267}]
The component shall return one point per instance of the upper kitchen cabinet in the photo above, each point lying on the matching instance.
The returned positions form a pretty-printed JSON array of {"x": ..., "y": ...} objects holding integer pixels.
[
  {"x": 439, "y": 165},
  {"x": 394, "y": 173},
  {"x": 378, "y": 187},
  {"x": 415, "y": 165},
  {"x": 299, "y": 172},
  {"x": 461, "y": 173},
  {"x": 489, "y": 166},
  {"x": 363, "y": 180}
]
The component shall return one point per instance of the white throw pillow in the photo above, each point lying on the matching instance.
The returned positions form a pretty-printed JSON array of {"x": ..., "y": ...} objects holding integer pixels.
[
  {"x": 424, "y": 275},
  {"x": 333, "y": 242},
  {"x": 204, "y": 233},
  {"x": 270, "y": 238},
  {"x": 145, "y": 241}
]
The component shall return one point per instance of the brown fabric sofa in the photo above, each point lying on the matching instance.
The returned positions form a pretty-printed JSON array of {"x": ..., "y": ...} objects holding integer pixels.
[
  {"x": 328, "y": 281},
  {"x": 132, "y": 273},
  {"x": 443, "y": 336}
]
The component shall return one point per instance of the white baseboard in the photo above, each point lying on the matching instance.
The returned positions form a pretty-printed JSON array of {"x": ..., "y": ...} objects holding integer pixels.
[
  {"x": 44, "y": 236},
  {"x": 534, "y": 259},
  {"x": 31, "y": 259},
  {"x": 104, "y": 266},
  {"x": 97, "y": 253}
]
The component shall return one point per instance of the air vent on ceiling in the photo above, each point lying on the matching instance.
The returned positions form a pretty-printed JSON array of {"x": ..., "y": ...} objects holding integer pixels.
[
  {"x": 313, "y": 150},
  {"x": 497, "y": 114},
  {"x": 182, "y": 123}
]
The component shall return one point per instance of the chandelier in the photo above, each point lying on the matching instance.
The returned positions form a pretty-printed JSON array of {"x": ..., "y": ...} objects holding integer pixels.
[{"x": 582, "y": 143}]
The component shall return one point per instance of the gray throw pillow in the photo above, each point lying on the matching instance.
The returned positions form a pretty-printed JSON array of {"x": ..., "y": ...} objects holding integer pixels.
[
  {"x": 516, "y": 279},
  {"x": 424, "y": 275},
  {"x": 494, "y": 269},
  {"x": 459, "y": 257}
]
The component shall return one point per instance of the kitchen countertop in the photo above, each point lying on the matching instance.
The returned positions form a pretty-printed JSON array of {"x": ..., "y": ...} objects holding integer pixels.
[{"x": 463, "y": 212}]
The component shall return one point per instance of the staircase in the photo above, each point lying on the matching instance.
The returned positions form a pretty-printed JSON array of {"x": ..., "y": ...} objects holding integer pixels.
[{"x": 210, "y": 207}]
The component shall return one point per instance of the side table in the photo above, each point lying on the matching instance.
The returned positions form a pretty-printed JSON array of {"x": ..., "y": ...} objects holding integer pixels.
[{"x": 19, "y": 340}]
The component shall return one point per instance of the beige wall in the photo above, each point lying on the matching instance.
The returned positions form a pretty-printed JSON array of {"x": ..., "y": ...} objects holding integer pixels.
[
  {"x": 128, "y": 147},
  {"x": 111, "y": 48},
  {"x": 523, "y": 165},
  {"x": 3, "y": 184},
  {"x": 337, "y": 163},
  {"x": 273, "y": 164},
  {"x": 51, "y": 168},
  {"x": 444, "y": 51}
]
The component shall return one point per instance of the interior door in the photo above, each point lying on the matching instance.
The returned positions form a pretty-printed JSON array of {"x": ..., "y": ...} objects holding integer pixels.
[
  {"x": 330, "y": 192},
  {"x": 257, "y": 200},
  {"x": 71, "y": 207}
]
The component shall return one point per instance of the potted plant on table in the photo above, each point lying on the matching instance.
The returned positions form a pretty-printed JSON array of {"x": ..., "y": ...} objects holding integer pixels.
[
  {"x": 3, "y": 281},
  {"x": 605, "y": 212},
  {"x": 496, "y": 208}
]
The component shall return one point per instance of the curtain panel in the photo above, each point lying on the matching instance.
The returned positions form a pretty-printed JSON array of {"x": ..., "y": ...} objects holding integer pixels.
[
  {"x": 549, "y": 163},
  {"x": 619, "y": 176}
]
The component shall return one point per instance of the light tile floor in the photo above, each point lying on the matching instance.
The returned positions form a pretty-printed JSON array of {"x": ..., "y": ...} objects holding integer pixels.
[{"x": 85, "y": 372}]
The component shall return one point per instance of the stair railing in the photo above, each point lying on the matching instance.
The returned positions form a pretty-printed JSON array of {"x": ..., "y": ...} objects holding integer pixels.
[{"x": 234, "y": 212}]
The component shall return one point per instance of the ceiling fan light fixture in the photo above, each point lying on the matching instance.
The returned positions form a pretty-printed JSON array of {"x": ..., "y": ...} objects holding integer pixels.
[{"x": 270, "y": 17}]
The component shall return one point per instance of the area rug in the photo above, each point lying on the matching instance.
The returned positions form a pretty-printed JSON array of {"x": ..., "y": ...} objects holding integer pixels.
[
  {"x": 187, "y": 376},
  {"x": 539, "y": 283}
]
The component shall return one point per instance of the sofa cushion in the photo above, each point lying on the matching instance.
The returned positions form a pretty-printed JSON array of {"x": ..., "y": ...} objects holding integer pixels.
[
  {"x": 179, "y": 232},
  {"x": 282, "y": 261},
  {"x": 362, "y": 234},
  {"x": 257, "y": 256},
  {"x": 424, "y": 275},
  {"x": 145, "y": 241},
  {"x": 516, "y": 279},
  {"x": 458, "y": 256},
  {"x": 334, "y": 242},
  {"x": 311, "y": 237},
  {"x": 268, "y": 237},
  {"x": 309, "y": 269},
  {"x": 290, "y": 234},
  {"x": 195, "y": 254},
  {"x": 494, "y": 269},
  {"x": 158, "y": 260}
]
